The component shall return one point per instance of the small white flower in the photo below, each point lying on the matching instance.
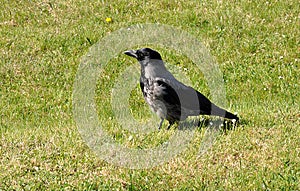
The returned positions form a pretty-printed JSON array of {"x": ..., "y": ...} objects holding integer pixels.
[
  {"x": 280, "y": 77},
  {"x": 165, "y": 144},
  {"x": 36, "y": 168}
]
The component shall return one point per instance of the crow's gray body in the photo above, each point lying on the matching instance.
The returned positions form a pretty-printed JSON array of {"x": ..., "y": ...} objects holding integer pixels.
[{"x": 166, "y": 96}]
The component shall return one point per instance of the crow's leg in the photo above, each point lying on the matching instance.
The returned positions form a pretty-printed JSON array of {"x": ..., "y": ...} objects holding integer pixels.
[
  {"x": 199, "y": 123},
  {"x": 160, "y": 124},
  {"x": 170, "y": 124}
]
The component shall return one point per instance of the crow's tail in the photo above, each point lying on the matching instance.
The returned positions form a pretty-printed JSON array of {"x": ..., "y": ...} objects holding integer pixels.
[
  {"x": 215, "y": 110},
  {"x": 208, "y": 108},
  {"x": 229, "y": 115}
]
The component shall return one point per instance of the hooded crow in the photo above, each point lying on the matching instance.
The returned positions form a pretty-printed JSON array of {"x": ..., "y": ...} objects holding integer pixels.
[{"x": 166, "y": 96}]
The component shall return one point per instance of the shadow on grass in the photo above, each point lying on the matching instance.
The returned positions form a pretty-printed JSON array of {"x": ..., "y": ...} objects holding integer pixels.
[{"x": 216, "y": 123}]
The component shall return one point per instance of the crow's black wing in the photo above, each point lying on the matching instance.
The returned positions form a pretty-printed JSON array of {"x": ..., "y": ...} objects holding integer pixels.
[
  {"x": 167, "y": 93},
  {"x": 189, "y": 100}
]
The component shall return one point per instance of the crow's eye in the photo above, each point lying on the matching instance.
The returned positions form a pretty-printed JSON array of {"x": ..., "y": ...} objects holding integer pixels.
[{"x": 139, "y": 54}]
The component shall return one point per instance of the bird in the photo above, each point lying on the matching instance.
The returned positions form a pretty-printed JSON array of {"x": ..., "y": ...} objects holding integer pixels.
[{"x": 169, "y": 98}]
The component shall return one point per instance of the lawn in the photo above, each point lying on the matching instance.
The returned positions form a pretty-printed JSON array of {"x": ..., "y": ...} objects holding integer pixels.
[{"x": 255, "y": 45}]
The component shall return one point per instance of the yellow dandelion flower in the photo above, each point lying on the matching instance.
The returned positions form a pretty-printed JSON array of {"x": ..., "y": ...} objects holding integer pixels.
[{"x": 108, "y": 20}]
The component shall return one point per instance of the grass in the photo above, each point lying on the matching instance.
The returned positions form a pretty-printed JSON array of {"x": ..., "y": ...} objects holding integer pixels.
[{"x": 256, "y": 44}]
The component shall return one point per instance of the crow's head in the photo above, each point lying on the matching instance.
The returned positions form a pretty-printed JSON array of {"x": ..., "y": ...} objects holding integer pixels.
[{"x": 144, "y": 54}]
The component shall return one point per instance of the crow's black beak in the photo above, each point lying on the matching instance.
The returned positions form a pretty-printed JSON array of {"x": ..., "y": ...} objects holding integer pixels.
[{"x": 131, "y": 53}]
